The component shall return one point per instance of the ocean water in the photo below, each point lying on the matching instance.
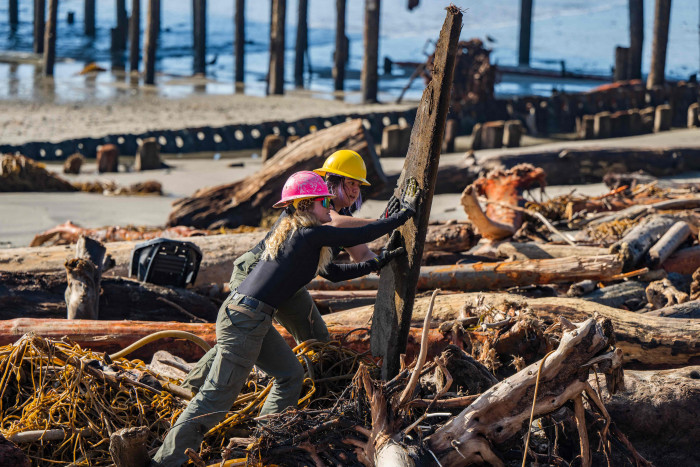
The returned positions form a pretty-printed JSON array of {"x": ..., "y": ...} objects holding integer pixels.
[{"x": 581, "y": 34}]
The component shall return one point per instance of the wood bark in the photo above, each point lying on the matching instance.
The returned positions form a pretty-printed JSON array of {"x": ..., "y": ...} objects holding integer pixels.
[
  {"x": 590, "y": 164},
  {"x": 680, "y": 310},
  {"x": 657, "y": 410},
  {"x": 369, "y": 76},
  {"x": 684, "y": 261},
  {"x": 621, "y": 64},
  {"x": 397, "y": 287},
  {"x": 637, "y": 242},
  {"x": 516, "y": 251},
  {"x": 301, "y": 43},
  {"x": 668, "y": 243},
  {"x": 662, "y": 16},
  {"x": 239, "y": 41},
  {"x": 150, "y": 43},
  {"x": 631, "y": 295},
  {"x": 491, "y": 276},
  {"x": 636, "y": 13},
  {"x": 127, "y": 447},
  {"x": 275, "y": 77},
  {"x": 340, "y": 55},
  {"x": 50, "y": 39},
  {"x": 135, "y": 35},
  {"x": 41, "y": 295},
  {"x": 662, "y": 294},
  {"x": 647, "y": 341},
  {"x": 82, "y": 293},
  {"x": 245, "y": 201}
]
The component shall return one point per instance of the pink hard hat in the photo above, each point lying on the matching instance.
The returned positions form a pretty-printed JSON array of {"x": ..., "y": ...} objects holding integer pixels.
[{"x": 304, "y": 184}]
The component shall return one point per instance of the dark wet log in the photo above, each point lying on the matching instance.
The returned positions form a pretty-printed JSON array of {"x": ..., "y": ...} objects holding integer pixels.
[
  {"x": 681, "y": 310},
  {"x": 493, "y": 276},
  {"x": 657, "y": 411},
  {"x": 498, "y": 415},
  {"x": 39, "y": 25},
  {"x": 83, "y": 279},
  {"x": 525, "y": 27},
  {"x": 637, "y": 242},
  {"x": 397, "y": 288},
  {"x": 647, "y": 341},
  {"x": 40, "y": 295},
  {"x": 662, "y": 16},
  {"x": 127, "y": 447},
  {"x": 50, "y": 39},
  {"x": 12, "y": 455},
  {"x": 239, "y": 40},
  {"x": 113, "y": 336},
  {"x": 150, "y": 43},
  {"x": 275, "y": 77},
  {"x": 589, "y": 165},
  {"x": 255, "y": 195},
  {"x": 135, "y": 35},
  {"x": 630, "y": 295},
  {"x": 148, "y": 155},
  {"x": 636, "y": 13},
  {"x": 340, "y": 54},
  {"x": 370, "y": 62},
  {"x": 301, "y": 43}
]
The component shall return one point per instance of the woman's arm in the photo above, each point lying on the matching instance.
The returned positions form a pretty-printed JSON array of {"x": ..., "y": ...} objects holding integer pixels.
[
  {"x": 357, "y": 253},
  {"x": 325, "y": 235},
  {"x": 343, "y": 272}
]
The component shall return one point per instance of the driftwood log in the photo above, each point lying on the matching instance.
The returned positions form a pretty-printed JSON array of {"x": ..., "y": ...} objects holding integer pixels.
[
  {"x": 668, "y": 243},
  {"x": 493, "y": 276},
  {"x": 219, "y": 252},
  {"x": 662, "y": 294},
  {"x": 84, "y": 273},
  {"x": 40, "y": 295},
  {"x": 397, "y": 289},
  {"x": 647, "y": 341},
  {"x": 127, "y": 447},
  {"x": 514, "y": 251},
  {"x": 246, "y": 201},
  {"x": 630, "y": 295},
  {"x": 680, "y": 310},
  {"x": 637, "y": 242},
  {"x": 590, "y": 165}
]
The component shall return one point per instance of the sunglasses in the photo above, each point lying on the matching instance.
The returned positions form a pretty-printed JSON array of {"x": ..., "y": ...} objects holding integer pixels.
[{"x": 325, "y": 202}]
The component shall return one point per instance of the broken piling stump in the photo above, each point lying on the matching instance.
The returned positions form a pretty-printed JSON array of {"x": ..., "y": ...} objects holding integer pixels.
[
  {"x": 107, "y": 158},
  {"x": 662, "y": 118},
  {"x": 84, "y": 276},
  {"x": 271, "y": 146},
  {"x": 148, "y": 155}
]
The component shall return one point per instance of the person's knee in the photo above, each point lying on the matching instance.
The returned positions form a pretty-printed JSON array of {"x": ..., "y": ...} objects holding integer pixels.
[{"x": 294, "y": 376}]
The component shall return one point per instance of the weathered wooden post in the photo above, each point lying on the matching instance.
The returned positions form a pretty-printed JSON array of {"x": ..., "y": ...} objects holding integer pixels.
[
  {"x": 341, "y": 50},
  {"x": 636, "y": 8},
  {"x": 199, "y": 18},
  {"x": 662, "y": 15},
  {"x": 151, "y": 41},
  {"x": 525, "y": 32},
  {"x": 398, "y": 280},
  {"x": 301, "y": 44},
  {"x": 13, "y": 12},
  {"x": 84, "y": 274},
  {"x": 239, "y": 40},
  {"x": 275, "y": 77},
  {"x": 122, "y": 25},
  {"x": 621, "y": 64},
  {"x": 371, "y": 39},
  {"x": 89, "y": 18},
  {"x": 50, "y": 39},
  {"x": 39, "y": 24},
  {"x": 135, "y": 35}
]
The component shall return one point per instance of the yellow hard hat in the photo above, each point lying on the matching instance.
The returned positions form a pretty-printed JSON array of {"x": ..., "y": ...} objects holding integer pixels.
[{"x": 345, "y": 163}]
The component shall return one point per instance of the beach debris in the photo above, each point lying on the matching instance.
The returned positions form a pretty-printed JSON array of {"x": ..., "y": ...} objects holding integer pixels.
[
  {"x": 19, "y": 173},
  {"x": 271, "y": 146},
  {"x": 73, "y": 164},
  {"x": 662, "y": 294},
  {"x": 110, "y": 188},
  {"x": 247, "y": 202},
  {"x": 91, "y": 67},
  {"x": 685, "y": 310},
  {"x": 107, "y": 158},
  {"x": 638, "y": 240},
  {"x": 504, "y": 195},
  {"x": 148, "y": 156},
  {"x": 398, "y": 279},
  {"x": 84, "y": 273}
]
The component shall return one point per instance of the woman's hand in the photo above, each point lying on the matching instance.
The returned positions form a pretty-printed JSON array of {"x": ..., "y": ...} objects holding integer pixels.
[
  {"x": 384, "y": 257},
  {"x": 409, "y": 200},
  {"x": 392, "y": 207}
]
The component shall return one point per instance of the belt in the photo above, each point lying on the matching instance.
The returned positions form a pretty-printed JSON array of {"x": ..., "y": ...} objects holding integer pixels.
[{"x": 252, "y": 303}]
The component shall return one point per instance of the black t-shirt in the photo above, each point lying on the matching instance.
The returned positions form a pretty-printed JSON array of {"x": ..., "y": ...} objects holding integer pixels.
[{"x": 274, "y": 281}]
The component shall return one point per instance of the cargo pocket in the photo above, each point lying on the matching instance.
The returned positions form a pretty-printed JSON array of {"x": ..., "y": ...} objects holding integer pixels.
[{"x": 241, "y": 333}]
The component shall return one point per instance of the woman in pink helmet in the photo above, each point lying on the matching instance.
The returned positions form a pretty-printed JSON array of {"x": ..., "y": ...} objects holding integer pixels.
[{"x": 297, "y": 249}]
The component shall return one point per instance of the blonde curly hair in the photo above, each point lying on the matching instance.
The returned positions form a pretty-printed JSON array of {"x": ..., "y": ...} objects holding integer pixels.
[{"x": 302, "y": 217}]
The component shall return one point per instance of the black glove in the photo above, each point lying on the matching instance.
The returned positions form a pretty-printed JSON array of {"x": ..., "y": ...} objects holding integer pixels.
[
  {"x": 384, "y": 257},
  {"x": 409, "y": 200},
  {"x": 392, "y": 207}
]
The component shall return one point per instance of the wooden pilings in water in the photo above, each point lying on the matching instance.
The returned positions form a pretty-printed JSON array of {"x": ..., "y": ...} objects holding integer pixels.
[
  {"x": 302, "y": 43},
  {"x": 121, "y": 30},
  {"x": 662, "y": 16},
  {"x": 239, "y": 40},
  {"x": 89, "y": 18},
  {"x": 199, "y": 39},
  {"x": 39, "y": 23},
  {"x": 621, "y": 63},
  {"x": 275, "y": 83},
  {"x": 341, "y": 47},
  {"x": 636, "y": 9},
  {"x": 50, "y": 39},
  {"x": 134, "y": 35},
  {"x": 150, "y": 43},
  {"x": 525, "y": 32},
  {"x": 13, "y": 13},
  {"x": 371, "y": 44}
]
